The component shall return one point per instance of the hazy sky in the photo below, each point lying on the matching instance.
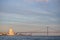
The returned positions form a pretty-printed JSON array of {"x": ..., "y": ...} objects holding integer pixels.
[{"x": 29, "y": 15}]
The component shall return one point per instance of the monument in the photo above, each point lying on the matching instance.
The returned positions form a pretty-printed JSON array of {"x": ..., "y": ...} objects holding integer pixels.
[{"x": 11, "y": 32}]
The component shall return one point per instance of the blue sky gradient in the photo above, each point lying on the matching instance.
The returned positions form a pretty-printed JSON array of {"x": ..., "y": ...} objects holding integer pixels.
[{"x": 46, "y": 12}]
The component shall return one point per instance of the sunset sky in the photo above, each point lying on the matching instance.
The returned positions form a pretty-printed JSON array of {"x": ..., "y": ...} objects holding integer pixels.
[{"x": 29, "y": 15}]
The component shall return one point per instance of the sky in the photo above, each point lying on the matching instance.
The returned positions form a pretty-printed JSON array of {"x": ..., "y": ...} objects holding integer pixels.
[{"x": 29, "y": 15}]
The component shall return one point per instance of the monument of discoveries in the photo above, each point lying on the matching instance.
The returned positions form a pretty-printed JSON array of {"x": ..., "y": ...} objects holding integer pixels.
[{"x": 11, "y": 32}]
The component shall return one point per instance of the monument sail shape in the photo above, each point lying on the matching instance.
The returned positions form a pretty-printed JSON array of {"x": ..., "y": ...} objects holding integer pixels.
[{"x": 10, "y": 32}]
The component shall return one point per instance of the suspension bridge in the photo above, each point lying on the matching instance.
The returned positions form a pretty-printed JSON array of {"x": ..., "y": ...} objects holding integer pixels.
[{"x": 47, "y": 32}]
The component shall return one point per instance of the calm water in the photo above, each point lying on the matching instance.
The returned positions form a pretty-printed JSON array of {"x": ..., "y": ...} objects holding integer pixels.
[{"x": 29, "y": 38}]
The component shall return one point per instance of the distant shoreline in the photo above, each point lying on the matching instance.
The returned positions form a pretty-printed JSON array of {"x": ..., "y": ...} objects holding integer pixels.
[{"x": 32, "y": 35}]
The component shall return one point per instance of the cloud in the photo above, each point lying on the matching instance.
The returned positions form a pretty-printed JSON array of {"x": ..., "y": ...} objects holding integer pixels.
[
  {"x": 27, "y": 12},
  {"x": 36, "y": 0},
  {"x": 29, "y": 16}
]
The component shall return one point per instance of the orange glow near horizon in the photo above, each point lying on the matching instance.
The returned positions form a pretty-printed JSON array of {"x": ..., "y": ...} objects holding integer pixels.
[{"x": 11, "y": 32}]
